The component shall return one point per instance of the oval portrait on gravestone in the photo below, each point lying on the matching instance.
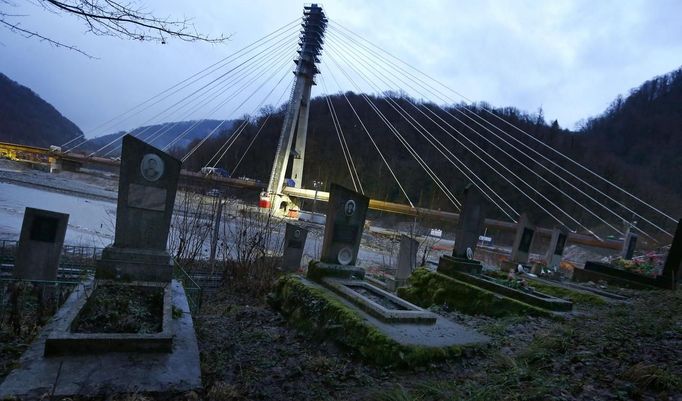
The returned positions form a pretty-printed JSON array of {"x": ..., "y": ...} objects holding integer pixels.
[
  {"x": 345, "y": 256},
  {"x": 151, "y": 167},
  {"x": 349, "y": 208}
]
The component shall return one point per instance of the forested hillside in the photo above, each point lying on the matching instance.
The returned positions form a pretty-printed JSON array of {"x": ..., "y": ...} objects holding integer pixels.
[
  {"x": 636, "y": 143},
  {"x": 27, "y": 119}
]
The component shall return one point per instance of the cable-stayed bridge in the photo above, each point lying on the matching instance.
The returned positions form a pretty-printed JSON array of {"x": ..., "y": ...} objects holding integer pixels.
[{"x": 259, "y": 74}]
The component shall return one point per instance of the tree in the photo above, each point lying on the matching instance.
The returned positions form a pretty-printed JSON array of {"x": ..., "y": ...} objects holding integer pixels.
[{"x": 109, "y": 18}]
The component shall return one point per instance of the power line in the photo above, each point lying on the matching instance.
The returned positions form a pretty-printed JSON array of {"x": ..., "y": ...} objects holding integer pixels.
[
  {"x": 195, "y": 92},
  {"x": 406, "y": 144},
  {"x": 521, "y": 131},
  {"x": 222, "y": 61},
  {"x": 286, "y": 89},
  {"x": 496, "y": 146},
  {"x": 240, "y": 105},
  {"x": 374, "y": 143}
]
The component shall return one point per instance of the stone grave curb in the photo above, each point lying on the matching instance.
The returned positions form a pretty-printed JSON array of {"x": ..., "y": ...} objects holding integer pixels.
[
  {"x": 432, "y": 288},
  {"x": 310, "y": 308},
  {"x": 61, "y": 341}
]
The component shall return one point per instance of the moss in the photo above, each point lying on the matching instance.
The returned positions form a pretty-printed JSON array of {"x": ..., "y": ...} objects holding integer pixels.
[
  {"x": 430, "y": 288},
  {"x": 314, "y": 311},
  {"x": 577, "y": 297}
]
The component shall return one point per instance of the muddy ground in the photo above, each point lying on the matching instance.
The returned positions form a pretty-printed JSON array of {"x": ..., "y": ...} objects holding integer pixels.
[
  {"x": 613, "y": 352},
  {"x": 621, "y": 351}
]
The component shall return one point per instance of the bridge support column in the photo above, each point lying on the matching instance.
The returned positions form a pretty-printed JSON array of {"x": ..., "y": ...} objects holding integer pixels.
[
  {"x": 296, "y": 117},
  {"x": 301, "y": 136}
]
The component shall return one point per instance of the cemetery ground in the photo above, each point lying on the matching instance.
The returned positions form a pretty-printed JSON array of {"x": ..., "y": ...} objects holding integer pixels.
[
  {"x": 606, "y": 351},
  {"x": 603, "y": 351}
]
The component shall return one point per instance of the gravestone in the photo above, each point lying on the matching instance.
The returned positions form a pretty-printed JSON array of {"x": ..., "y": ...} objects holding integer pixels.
[
  {"x": 40, "y": 244},
  {"x": 668, "y": 279},
  {"x": 146, "y": 195},
  {"x": 294, "y": 244},
  {"x": 629, "y": 244},
  {"x": 673, "y": 262},
  {"x": 470, "y": 226},
  {"x": 471, "y": 223},
  {"x": 407, "y": 259},
  {"x": 525, "y": 231},
  {"x": 346, "y": 212},
  {"x": 556, "y": 248}
]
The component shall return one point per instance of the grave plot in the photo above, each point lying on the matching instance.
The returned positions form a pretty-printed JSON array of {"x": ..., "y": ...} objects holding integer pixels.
[
  {"x": 460, "y": 284},
  {"x": 132, "y": 318},
  {"x": 618, "y": 276},
  {"x": 545, "y": 276},
  {"x": 120, "y": 318},
  {"x": 335, "y": 301}
]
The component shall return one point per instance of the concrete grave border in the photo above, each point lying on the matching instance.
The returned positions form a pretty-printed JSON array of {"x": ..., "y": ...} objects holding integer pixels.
[
  {"x": 412, "y": 314},
  {"x": 63, "y": 341}
]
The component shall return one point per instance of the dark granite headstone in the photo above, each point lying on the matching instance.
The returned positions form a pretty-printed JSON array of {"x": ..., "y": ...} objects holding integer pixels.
[
  {"x": 294, "y": 244},
  {"x": 345, "y": 222},
  {"x": 470, "y": 226},
  {"x": 146, "y": 195},
  {"x": 629, "y": 244},
  {"x": 673, "y": 263},
  {"x": 556, "y": 247},
  {"x": 525, "y": 232},
  {"x": 40, "y": 244},
  {"x": 407, "y": 258},
  {"x": 471, "y": 222}
]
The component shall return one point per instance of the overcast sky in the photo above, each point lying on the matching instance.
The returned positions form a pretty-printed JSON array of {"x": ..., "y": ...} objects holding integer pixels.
[{"x": 572, "y": 58}]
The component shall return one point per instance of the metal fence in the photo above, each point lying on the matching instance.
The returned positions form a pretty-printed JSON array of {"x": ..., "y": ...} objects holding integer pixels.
[
  {"x": 193, "y": 291},
  {"x": 7, "y": 250},
  {"x": 76, "y": 263},
  {"x": 27, "y": 304},
  {"x": 72, "y": 255}
]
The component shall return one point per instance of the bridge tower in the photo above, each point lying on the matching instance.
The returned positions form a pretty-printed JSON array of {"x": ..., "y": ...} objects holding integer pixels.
[{"x": 296, "y": 117}]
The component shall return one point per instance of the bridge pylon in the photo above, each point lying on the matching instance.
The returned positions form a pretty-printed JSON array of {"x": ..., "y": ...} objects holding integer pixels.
[{"x": 296, "y": 117}]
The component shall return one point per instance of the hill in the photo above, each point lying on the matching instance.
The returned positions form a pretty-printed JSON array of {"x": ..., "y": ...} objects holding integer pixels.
[
  {"x": 644, "y": 130},
  {"x": 160, "y": 135},
  {"x": 636, "y": 143},
  {"x": 27, "y": 119}
]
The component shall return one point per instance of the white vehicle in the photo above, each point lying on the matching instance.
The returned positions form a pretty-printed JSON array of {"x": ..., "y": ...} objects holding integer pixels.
[
  {"x": 436, "y": 232},
  {"x": 54, "y": 148},
  {"x": 214, "y": 171}
]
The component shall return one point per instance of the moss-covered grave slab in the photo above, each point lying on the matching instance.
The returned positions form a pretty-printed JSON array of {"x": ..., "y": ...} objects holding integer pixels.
[
  {"x": 324, "y": 314},
  {"x": 599, "y": 271},
  {"x": 465, "y": 293},
  {"x": 447, "y": 264},
  {"x": 578, "y": 294}
]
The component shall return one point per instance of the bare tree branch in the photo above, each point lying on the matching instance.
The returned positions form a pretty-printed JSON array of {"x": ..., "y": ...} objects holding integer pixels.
[
  {"x": 111, "y": 18},
  {"x": 29, "y": 34},
  {"x": 108, "y": 17}
]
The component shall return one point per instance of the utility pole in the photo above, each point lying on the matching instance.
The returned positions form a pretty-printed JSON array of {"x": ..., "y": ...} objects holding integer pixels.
[
  {"x": 216, "y": 231},
  {"x": 296, "y": 117}
]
